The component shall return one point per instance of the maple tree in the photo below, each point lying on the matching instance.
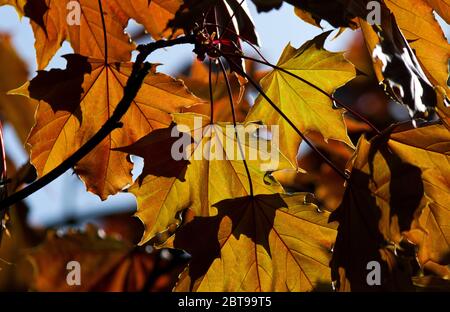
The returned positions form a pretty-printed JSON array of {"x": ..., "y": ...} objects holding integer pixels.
[{"x": 367, "y": 188}]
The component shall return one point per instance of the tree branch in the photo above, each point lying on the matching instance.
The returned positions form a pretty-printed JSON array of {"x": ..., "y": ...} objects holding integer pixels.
[{"x": 134, "y": 83}]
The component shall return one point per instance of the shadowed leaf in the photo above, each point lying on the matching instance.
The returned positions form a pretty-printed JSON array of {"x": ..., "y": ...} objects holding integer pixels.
[
  {"x": 209, "y": 171},
  {"x": 396, "y": 202},
  {"x": 77, "y": 101},
  {"x": 262, "y": 243}
]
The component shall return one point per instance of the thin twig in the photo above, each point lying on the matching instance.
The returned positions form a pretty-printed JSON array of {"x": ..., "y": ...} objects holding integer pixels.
[
  {"x": 348, "y": 108},
  {"x": 233, "y": 113},
  {"x": 244, "y": 39},
  {"x": 283, "y": 115},
  {"x": 211, "y": 96}
]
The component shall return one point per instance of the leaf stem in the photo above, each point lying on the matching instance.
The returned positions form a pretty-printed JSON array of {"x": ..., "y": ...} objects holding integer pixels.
[
  {"x": 233, "y": 114},
  {"x": 279, "y": 111},
  {"x": 211, "y": 96},
  {"x": 243, "y": 39},
  {"x": 105, "y": 36}
]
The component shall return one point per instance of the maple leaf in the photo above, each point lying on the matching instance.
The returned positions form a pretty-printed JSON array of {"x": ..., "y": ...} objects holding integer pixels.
[
  {"x": 307, "y": 17},
  {"x": 106, "y": 263},
  {"x": 49, "y": 21},
  {"x": 154, "y": 15},
  {"x": 53, "y": 22},
  {"x": 210, "y": 171},
  {"x": 442, "y": 8},
  {"x": 263, "y": 243},
  {"x": 77, "y": 101},
  {"x": 16, "y": 110},
  {"x": 396, "y": 202},
  {"x": 305, "y": 106},
  {"x": 423, "y": 34}
]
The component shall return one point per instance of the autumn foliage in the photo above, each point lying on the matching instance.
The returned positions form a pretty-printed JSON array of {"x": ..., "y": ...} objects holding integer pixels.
[{"x": 352, "y": 183}]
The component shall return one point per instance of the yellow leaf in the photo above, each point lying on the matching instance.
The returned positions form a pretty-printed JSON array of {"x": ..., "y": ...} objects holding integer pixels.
[
  {"x": 262, "y": 243},
  {"x": 211, "y": 171},
  {"x": 306, "y": 107},
  {"x": 17, "y": 110}
]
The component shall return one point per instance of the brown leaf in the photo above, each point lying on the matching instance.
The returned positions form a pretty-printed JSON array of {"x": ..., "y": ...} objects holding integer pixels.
[
  {"x": 53, "y": 22},
  {"x": 395, "y": 202},
  {"x": 106, "y": 264}
]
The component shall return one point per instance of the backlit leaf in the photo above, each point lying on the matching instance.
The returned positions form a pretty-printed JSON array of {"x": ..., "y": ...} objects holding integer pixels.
[
  {"x": 77, "y": 101},
  {"x": 306, "y": 107},
  {"x": 211, "y": 170},
  {"x": 442, "y": 7},
  {"x": 262, "y": 243},
  {"x": 79, "y": 22}
]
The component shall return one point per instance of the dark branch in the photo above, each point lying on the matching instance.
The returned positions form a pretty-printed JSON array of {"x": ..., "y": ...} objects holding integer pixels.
[{"x": 134, "y": 83}]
